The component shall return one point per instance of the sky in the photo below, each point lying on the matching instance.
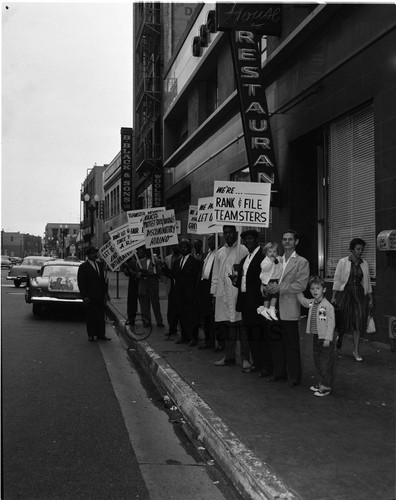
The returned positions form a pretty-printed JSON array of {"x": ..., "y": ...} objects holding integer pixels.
[{"x": 66, "y": 93}]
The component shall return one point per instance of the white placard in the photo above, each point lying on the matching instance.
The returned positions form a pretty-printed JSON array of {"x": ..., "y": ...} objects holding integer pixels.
[
  {"x": 242, "y": 203},
  {"x": 124, "y": 240},
  {"x": 192, "y": 219},
  {"x": 109, "y": 254},
  {"x": 205, "y": 224},
  {"x": 135, "y": 220},
  {"x": 160, "y": 229}
]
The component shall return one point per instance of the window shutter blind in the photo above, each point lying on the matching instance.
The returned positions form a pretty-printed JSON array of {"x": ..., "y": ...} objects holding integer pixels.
[{"x": 351, "y": 195}]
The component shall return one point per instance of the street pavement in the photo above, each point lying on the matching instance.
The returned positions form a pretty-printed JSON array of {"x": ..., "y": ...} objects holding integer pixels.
[{"x": 271, "y": 440}]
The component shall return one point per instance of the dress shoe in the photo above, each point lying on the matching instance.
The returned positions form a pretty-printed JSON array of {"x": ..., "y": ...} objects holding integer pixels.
[
  {"x": 103, "y": 337},
  {"x": 246, "y": 366},
  {"x": 218, "y": 349},
  {"x": 264, "y": 373},
  {"x": 192, "y": 343},
  {"x": 91, "y": 339},
  {"x": 294, "y": 383},
  {"x": 357, "y": 357},
  {"x": 225, "y": 362}
]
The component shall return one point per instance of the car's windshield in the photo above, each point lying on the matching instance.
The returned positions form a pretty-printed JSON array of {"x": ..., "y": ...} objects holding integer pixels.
[
  {"x": 60, "y": 271},
  {"x": 32, "y": 262}
]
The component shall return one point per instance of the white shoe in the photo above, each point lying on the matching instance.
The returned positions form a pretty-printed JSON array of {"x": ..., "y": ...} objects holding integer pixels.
[
  {"x": 260, "y": 309},
  {"x": 264, "y": 313},
  {"x": 272, "y": 313}
]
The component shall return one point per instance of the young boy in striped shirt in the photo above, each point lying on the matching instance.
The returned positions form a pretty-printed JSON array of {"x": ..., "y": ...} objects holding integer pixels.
[{"x": 321, "y": 324}]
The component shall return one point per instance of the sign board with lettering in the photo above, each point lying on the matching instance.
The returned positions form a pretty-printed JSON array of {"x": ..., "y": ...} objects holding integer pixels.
[
  {"x": 160, "y": 229},
  {"x": 126, "y": 168},
  {"x": 135, "y": 220},
  {"x": 109, "y": 254},
  {"x": 263, "y": 18},
  {"x": 192, "y": 219},
  {"x": 242, "y": 203},
  {"x": 205, "y": 224},
  {"x": 124, "y": 240}
]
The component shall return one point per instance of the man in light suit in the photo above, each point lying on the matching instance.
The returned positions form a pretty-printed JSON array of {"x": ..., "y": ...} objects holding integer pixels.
[
  {"x": 294, "y": 279},
  {"x": 93, "y": 289}
]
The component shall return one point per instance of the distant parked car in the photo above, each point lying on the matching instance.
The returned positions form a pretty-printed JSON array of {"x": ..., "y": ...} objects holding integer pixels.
[
  {"x": 6, "y": 262},
  {"x": 16, "y": 260},
  {"x": 30, "y": 267},
  {"x": 56, "y": 284}
]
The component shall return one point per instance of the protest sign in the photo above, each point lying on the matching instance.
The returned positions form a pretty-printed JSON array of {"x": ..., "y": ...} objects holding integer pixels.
[
  {"x": 124, "y": 240},
  {"x": 160, "y": 229},
  {"x": 135, "y": 221},
  {"x": 242, "y": 203},
  {"x": 109, "y": 254},
  {"x": 205, "y": 224},
  {"x": 192, "y": 219}
]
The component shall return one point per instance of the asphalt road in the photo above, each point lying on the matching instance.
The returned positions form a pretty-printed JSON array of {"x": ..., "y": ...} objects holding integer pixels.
[{"x": 80, "y": 422}]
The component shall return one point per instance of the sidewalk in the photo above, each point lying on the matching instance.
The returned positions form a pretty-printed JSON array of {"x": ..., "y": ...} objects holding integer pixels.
[{"x": 273, "y": 441}]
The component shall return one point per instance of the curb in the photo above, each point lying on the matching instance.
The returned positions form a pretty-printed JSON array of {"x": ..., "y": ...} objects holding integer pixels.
[{"x": 252, "y": 478}]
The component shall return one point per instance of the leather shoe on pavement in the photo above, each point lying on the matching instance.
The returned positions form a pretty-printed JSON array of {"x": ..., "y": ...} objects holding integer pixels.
[
  {"x": 103, "y": 337},
  {"x": 91, "y": 339},
  {"x": 264, "y": 373},
  {"x": 192, "y": 343},
  {"x": 274, "y": 378}
]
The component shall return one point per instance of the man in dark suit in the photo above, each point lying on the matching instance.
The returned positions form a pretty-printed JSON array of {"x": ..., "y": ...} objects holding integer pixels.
[
  {"x": 184, "y": 273},
  {"x": 93, "y": 289},
  {"x": 254, "y": 327}
]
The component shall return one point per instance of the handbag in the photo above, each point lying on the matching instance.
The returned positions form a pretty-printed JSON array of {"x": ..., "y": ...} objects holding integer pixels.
[{"x": 370, "y": 325}]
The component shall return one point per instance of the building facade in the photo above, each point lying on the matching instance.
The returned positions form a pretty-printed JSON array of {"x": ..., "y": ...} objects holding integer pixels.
[
  {"x": 60, "y": 239},
  {"x": 330, "y": 81},
  {"x": 92, "y": 210},
  {"x": 114, "y": 216},
  {"x": 16, "y": 244}
]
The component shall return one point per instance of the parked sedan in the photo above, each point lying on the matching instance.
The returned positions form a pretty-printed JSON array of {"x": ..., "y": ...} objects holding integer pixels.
[
  {"x": 29, "y": 267},
  {"x": 56, "y": 284},
  {"x": 6, "y": 262}
]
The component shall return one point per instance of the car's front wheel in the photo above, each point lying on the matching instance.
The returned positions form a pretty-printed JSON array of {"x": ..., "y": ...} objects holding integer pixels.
[
  {"x": 37, "y": 309},
  {"x": 17, "y": 283}
]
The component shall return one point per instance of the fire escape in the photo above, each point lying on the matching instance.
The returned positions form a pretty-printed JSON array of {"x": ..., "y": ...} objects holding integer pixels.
[{"x": 148, "y": 156}]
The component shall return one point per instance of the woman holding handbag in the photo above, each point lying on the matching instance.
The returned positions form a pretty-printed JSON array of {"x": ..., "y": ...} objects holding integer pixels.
[{"x": 351, "y": 288}]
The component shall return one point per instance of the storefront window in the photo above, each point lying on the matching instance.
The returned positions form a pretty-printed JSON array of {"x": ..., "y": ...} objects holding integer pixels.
[{"x": 351, "y": 188}]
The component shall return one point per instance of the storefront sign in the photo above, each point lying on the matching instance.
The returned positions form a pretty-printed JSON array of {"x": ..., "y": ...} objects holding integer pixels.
[
  {"x": 157, "y": 189},
  {"x": 254, "y": 112},
  {"x": 126, "y": 169},
  {"x": 241, "y": 203},
  {"x": 263, "y": 18},
  {"x": 160, "y": 229}
]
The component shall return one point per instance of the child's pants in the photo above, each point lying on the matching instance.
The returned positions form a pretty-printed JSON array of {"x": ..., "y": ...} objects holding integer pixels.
[{"x": 324, "y": 360}]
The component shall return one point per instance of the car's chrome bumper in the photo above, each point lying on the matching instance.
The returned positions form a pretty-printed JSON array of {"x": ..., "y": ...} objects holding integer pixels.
[
  {"x": 55, "y": 299},
  {"x": 20, "y": 278}
]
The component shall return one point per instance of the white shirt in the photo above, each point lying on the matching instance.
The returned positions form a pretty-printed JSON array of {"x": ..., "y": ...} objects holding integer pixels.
[
  {"x": 184, "y": 260},
  {"x": 246, "y": 267},
  {"x": 207, "y": 266},
  {"x": 285, "y": 264}
]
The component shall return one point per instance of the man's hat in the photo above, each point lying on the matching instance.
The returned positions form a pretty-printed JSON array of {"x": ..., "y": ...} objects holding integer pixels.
[{"x": 249, "y": 232}]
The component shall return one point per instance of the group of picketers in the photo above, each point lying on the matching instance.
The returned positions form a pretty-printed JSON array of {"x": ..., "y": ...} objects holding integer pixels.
[{"x": 243, "y": 291}]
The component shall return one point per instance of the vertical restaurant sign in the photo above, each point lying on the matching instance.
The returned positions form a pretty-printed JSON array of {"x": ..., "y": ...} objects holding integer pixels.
[
  {"x": 246, "y": 23},
  {"x": 126, "y": 169},
  {"x": 265, "y": 18},
  {"x": 254, "y": 111}
]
